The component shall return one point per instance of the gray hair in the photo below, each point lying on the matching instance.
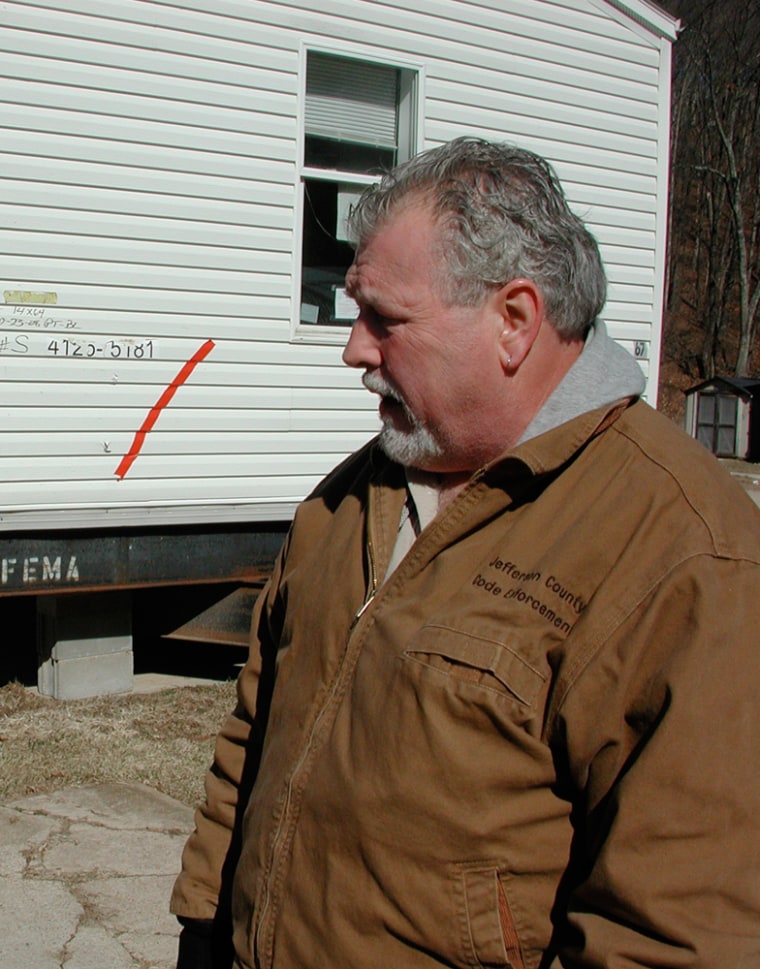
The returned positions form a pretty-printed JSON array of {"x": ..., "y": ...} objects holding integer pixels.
[{"x": 504, "y": 216}]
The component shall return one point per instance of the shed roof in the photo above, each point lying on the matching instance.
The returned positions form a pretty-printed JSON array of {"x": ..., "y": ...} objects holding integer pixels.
[{"x": 745, "y": 387}]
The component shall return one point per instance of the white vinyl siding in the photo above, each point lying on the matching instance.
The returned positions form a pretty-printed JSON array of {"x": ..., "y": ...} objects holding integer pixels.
[{"x": 149, "y": 179}]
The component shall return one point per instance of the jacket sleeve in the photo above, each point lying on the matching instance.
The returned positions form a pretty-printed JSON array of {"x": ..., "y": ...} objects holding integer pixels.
[
  {"x": 209, "y": 853},
  {"x": 661, "y": 733}
]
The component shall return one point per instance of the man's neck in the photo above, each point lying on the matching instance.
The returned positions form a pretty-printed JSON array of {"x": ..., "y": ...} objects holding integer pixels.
[
  {"x": 445, "y": 485},
  {"x": 449, "y": 486}
]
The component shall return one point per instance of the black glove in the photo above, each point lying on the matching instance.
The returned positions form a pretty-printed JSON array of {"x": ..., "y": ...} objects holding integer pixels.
[{"x": 196, "y": 944}]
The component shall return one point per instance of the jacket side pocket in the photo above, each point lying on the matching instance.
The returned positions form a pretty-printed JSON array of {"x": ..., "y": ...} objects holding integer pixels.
[
  {"x": 511, "y": 942},
  {"x": 488, "y": 935}
]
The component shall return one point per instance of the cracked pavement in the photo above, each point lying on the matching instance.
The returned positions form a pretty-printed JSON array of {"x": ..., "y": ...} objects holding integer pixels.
[{"x": 85, "y": 878}]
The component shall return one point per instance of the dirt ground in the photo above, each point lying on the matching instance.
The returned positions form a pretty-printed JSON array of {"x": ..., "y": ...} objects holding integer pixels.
[{"x": 164, "y": 739}]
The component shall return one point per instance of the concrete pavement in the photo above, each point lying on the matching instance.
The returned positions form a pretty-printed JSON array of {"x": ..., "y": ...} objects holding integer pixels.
[{"x": 85, "y": 877}]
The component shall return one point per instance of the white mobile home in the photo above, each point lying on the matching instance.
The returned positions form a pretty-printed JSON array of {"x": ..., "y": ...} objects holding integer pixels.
[{"x": 173, "y": 177}]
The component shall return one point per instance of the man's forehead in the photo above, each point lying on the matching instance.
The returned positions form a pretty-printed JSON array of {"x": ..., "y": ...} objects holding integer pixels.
[
  {"x": 413, "y": 211},
  {"x": 402, "y": 230},
  {"x": 359, "y": 273}
]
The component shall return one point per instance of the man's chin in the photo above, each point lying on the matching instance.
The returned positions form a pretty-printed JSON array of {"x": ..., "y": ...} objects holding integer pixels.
[{"x": 412, "y": 449}]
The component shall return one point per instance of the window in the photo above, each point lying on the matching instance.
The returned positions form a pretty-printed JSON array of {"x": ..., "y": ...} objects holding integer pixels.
[
  {"x": 359, "y": 120},
  {"x": 716, "y": 423}
]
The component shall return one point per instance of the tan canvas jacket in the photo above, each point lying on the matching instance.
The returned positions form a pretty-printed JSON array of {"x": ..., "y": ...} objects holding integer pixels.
[{"x": 536, "y": 743}]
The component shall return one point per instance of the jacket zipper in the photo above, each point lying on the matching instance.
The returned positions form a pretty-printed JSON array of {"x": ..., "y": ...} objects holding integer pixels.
[
  {"x": 371, "y": 588},
  {"x": 263, "y": 937}
]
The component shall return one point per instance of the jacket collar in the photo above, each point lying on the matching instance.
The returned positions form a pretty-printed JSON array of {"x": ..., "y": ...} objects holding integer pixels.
[{"x": 550, "y": 451}]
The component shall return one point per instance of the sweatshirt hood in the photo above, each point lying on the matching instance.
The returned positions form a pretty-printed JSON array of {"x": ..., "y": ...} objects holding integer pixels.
[{"x": 603, "y": 373}]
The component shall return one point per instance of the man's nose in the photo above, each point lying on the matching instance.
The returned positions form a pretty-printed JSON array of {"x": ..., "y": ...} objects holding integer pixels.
[{"x": 362, "y": 348}]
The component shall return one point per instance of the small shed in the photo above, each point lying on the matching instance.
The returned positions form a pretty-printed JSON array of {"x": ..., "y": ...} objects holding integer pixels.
[{"x": 722, "y": 414}]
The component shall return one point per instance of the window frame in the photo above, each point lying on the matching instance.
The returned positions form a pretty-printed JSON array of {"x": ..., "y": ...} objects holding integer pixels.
[
  {"x": 716, "y": 425},
  {"x": 410, "y": 143}
]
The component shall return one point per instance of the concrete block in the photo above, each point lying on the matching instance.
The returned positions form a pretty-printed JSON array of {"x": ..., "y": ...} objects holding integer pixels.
[
  {"x": 85, "y": 645},
  {"x": 75, "y": 679}
]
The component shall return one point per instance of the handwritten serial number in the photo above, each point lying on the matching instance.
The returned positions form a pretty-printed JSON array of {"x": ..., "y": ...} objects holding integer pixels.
[{"x": 113, "y": 349}]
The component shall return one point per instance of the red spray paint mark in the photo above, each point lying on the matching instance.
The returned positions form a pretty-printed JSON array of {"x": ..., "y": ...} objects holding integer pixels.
[{"x": 163, "y": 400}]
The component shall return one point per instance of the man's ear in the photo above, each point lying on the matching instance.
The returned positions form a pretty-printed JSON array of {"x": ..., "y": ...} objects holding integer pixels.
[{"x": 521, "y": 306}]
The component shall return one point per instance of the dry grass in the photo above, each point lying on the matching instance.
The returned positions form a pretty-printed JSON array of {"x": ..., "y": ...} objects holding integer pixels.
[{"x": 163, "y": 739}]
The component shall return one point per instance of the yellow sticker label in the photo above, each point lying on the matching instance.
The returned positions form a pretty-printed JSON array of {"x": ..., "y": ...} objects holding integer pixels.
[{"x": 28, "y": 296}]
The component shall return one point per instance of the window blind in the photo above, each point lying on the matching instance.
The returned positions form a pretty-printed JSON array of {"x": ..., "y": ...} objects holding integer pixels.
[{"x": 349, "y": 100}]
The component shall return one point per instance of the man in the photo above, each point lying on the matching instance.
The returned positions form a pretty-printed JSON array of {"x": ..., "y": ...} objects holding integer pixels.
[{"x": 501, "y": 702}]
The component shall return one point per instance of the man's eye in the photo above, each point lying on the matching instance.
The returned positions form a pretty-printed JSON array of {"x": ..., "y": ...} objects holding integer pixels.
[{"x": 383, "y": 320}]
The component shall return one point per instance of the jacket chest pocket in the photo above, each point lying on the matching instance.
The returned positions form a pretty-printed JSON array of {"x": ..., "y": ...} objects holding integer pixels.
[{"x": 491, "y": 665}]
